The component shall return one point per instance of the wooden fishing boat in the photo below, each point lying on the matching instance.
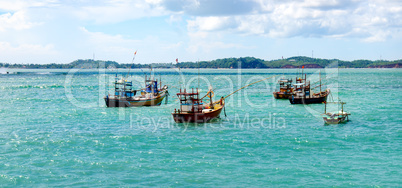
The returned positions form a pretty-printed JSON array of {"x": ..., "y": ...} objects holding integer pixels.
[
  {"x": 304, "y": 95},
  {"x": 193, "y": 110},
  {"x": 285, "y": 89},
  {"x": 125, "y": 96},
  {"x": 336, "y": 117}
]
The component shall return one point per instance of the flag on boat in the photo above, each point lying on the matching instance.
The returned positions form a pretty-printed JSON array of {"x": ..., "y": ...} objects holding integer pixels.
[
  {"x": 135, "y": 53},
  {"x": 177, "y": 60}
]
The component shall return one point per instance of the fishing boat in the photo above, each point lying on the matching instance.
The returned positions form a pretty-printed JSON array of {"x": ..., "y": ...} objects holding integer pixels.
[
  {"x": 336, "y": 117},
  {"x": 125, "y": 96},
  {"x": 285, "y": 89},
  {"x": 304, "y": 95},
  {"x": 194, "y": 110}
]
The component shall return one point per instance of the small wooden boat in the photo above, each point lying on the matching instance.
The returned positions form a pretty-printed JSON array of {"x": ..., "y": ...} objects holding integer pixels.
[
  {"x": 285, "y": 89},
  {"x": 336, "y": 117},
  {"x": 193, "y": 110},
  {"x": 304, "y": 95},
  {"x": 125, "y": 96}
]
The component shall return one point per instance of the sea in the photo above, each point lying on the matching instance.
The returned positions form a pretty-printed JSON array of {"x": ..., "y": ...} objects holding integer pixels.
[{"x": 56, "y": 131}]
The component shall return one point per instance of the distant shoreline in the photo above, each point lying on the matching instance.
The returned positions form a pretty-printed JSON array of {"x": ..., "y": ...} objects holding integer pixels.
[
  {"x": 226, "y": 63},
  {"x": 196, "y": 68}
]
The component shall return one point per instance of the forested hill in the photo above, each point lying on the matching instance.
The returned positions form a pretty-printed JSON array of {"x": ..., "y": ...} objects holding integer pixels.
[
  {"x": 293, "y": 62},
  {"x": 243, "y": 62}
]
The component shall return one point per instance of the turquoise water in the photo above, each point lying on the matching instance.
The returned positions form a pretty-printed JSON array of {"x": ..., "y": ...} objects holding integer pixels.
[{"x": 56, "y": 131}]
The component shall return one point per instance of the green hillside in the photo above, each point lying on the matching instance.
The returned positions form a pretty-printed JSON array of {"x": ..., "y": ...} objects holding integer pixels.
[{"x": 228, "y": 63}]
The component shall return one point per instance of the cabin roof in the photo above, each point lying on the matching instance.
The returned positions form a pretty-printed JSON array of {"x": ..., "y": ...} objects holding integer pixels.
[{"x": 285, "y": 80}]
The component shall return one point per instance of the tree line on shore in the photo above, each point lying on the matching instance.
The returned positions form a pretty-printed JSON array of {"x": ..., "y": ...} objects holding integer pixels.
[{"x": 226, "y": 63}]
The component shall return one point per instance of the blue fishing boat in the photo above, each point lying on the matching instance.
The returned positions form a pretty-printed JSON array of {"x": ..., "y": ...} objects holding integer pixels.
[{"x": 125, "y": 96}]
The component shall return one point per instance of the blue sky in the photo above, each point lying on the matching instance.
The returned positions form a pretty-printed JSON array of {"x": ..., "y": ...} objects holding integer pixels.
[{"x": 55, "y": 31}]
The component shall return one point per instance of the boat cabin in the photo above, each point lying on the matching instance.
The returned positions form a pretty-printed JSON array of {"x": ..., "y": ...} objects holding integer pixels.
[
  {"x": 302, "y": 87},
  {"x": 123, "y": 88},
  {"x": 151, "y": 86},
  {"x": 285, "y": 85},
  {"x": 190, "y": 102}
]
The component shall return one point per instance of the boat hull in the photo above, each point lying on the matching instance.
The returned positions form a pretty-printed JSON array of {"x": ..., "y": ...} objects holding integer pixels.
[
  {"x": 319, "y": 98},
  {"x": 281, "y": 95},
  {"x": 334, "y": 120},
  {"x": 196, "y": 117},
  {"x": 311, "y": 100},
  {"x": 131, "y": 102}
]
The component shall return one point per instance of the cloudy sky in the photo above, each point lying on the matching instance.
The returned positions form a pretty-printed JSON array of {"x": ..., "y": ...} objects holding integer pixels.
[{"x": 61, "y": 31}]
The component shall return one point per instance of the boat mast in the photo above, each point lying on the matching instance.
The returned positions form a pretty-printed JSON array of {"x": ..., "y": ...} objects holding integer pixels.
[
  {"x": 342, "y": 106},
  {"x": 198, "y": 79},
  {"x": 305, "y": 85},
  {"x": 210, "y": 99},
  {"x": 320, "y": 81},
  {"x": 135, "y": 53}
]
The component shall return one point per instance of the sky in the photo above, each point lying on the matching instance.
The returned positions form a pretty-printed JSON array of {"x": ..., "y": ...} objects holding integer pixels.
[{"x": 56, "y": 31}]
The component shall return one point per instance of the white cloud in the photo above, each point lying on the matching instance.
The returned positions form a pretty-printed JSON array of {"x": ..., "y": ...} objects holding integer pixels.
[
  {"x": 207, "y": 43},
  {"x": 17, "y": 5},
  {"x": 16, "y": 21},
  {"x": 373, "y": 20},
  {"x": 118, "y": 11},
  {"x": 162, "y": 29},
  {"x": 119, "y": 48},
  {"x": 109, "y": 43},
  {"x": 212, "y": 23}
]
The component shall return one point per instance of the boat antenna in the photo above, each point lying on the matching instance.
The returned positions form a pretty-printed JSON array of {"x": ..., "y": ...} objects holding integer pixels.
[
  {"x": 177, "y": 66},
  {"x": 198, "y": 73},
  {"x": 150, "y": 72},
  {"x": 135, "y": 53},
  {"x": 320, "y": 82}
]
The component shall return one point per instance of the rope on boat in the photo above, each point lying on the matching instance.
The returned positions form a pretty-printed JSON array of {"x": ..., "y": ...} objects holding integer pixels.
[
  {"x": 238, "y": 89},
  {"x": 212, "y": 90},
  {"x": 247, "y": 86},
  {"x": 173, "y": 86},
  {"x": 322, "y": 84}
]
